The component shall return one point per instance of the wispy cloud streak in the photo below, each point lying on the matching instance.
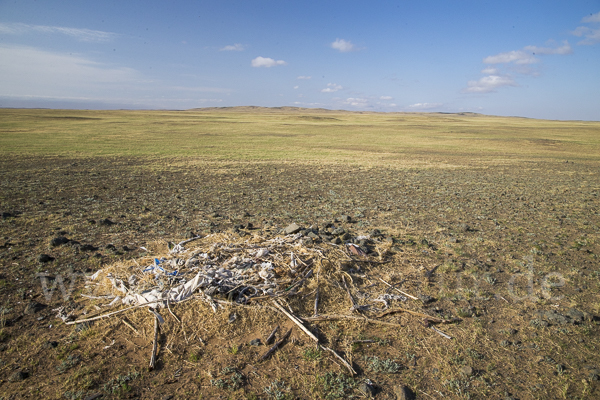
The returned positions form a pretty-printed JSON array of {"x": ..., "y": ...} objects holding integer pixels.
[{"x": 83, "y": 35}]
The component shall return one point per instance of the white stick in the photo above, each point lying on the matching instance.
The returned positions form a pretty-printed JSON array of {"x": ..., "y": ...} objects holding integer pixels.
[
  {"x": 296, "y": 321},
  {"x": 436, "y": 330},
  {"x": 104, "y": 315},
  {"x": 406, "y": 294},
  {"x": 346, "y": 363},
  {"x": 154, "y": 345},
  {"x": 189, "y": 240}
]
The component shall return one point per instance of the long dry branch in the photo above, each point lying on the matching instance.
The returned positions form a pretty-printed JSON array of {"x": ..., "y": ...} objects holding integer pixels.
[
  {"x": 154, "y": 345},
  {"x": 354, "y": 307},
  {"x": 418, "y": 314},
  {"x": 400, "y": 291},
  {"x": 334, "y": 317},
  {"x": 272, "y": 335},
  {"x": 105, "y": 315},
  {"x": 296, "y": 321},
  {"x": 346, "y": 363},
  {"x": 276, "y": 345}
]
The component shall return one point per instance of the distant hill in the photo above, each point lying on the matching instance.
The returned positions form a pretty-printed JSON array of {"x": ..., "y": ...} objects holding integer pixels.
[
  {"x": 314, "y": 110},
  {"x": 259, "y": 108}
]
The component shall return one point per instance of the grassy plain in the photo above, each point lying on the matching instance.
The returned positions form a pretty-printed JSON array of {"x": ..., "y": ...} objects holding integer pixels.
[
  {"x": 245, "y": 134},
  {"x": 494, "y": 221}
]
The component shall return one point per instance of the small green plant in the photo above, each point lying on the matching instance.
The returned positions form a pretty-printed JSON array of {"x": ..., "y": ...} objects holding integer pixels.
[
  {"x": 387, "y": 366},
  {"x": 68, "y": 363},
  {"x": 312, "y": 354},
  {"x": 382, "y": 342},
  {"x": 87, "y": 333},
  {"x": 457, "y": 386},
  {"x": 220, "y": 383},
  {"x": 233, "y": 350},
  {"x": 490, "y": 279},
  {"x": 474, "y": 354},
  {"x": 3, "y": 312},
  {"x": 194, "y": 357},
  {"x": 469, "y": 294},
  {"x": 120, "y": 384},
  {"x": 457, "y": 359},
  {"x": 538, "y": 323},
  {"x": 232, "y": 382},
  {"x": 465, "y": 313},
  {"x": 336, "y": 386},
  {"x": 277, "y": 390},
  {"x": 73, "y": 395}
]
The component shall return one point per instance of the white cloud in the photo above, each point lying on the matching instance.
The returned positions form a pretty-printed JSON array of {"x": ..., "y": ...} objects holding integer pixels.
[
  {"x": 300, "y": 103},
  {"x": 266, "y": 62},
  {"x": 343, "y": 46},
  {"x": 332, "y": 87},
  {"x": 304, "y": 77},
  {"x": 489, "y": 71},
  {"x": 527, "y": 55},
  {"x": 425, "y": 106},
  {"x": 386, "y": 98},
  {"x": 202, "y": 89},
  {"x": 83, "y": 35},
  {"x": 591, "y": 18},
  {"x": 356, "y": 102},
  {"x": 233, "y": 47},
  {"x": 489, "y": 84},
  {"x": 516, "y": 56},
  {"x": 562, "y": 50},
  {"x": 296, "y": 87},
  {"x": 519, "y": 62},
  {"x": 26, "y": 71},
  {"x": 591, "y": 35},
  {"x": 44, "y": 78}
]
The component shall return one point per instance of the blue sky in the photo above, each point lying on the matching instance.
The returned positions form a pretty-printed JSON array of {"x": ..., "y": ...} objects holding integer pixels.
[{"x": 538, "y": 59}]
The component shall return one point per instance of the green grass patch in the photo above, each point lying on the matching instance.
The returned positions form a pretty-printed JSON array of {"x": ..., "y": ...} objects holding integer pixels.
[{"x": 291, "y": 135}]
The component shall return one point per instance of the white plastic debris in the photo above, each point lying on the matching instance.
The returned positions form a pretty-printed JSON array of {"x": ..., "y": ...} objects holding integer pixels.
[
  {"x": 262, "y": 253},
  {"x": 133, "y": 280},
  {"x": 293, "y": 262},
  {"x": 109, "y": 346},
  {"x": 117, "y": 283},
  {"x": 114, "y": 302},
  {"x": 62, "y": 314},
  {"x": 178, "y": 248},
  {"x": 95, "y": 275},
  {"x": 238, "y": 270}
]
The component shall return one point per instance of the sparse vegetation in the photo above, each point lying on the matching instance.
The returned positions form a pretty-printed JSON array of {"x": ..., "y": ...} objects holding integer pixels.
[
  {"x": 121, "y": 384},
  {"x": 312, "y": 354},
  {"x": 491, "y": 201},
  {"x": 335, "y": 386},
  {"x": 278, "y": 390},
  {"x": 230, "y": 379},
  {"x": 385, "y": 366}
]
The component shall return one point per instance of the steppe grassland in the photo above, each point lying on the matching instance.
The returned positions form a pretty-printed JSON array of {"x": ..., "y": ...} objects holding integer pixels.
[
  {"x": 293, "y": 135},
  {"x": 510, "y": 201}
]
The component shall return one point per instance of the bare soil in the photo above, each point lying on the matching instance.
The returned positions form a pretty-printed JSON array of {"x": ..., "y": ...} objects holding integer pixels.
[{"x": 508, "y": 248}]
